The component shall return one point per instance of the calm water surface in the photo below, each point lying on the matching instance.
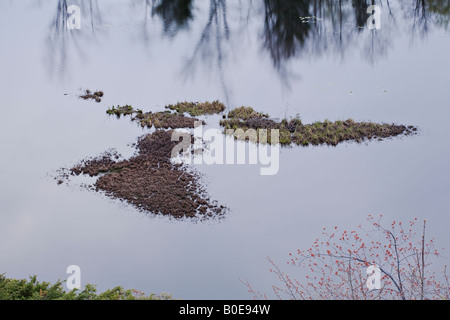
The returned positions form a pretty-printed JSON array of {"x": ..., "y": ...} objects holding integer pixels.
[{"x": 257, "y": 53}]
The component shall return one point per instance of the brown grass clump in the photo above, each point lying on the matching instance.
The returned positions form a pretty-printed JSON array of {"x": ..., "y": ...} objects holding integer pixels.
[{"x": 150, "y": 182}]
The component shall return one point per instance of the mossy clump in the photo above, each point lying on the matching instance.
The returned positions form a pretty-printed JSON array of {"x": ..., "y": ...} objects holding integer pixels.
[
  {"x": 196, "y": 109},
  {"x": 333, "y": 133},
  {"x": 293, "y": 131},
  {"x": 121, "y": 111},
  {"x": 159, "y": 120},
  {"x": 165, "y": 120},
  {"x": 88, "y": 95},
  {"x": 245, "y": 113}
]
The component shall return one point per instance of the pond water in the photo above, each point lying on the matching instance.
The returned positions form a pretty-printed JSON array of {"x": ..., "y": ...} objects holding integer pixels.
[{"x": 325, "y": 65}]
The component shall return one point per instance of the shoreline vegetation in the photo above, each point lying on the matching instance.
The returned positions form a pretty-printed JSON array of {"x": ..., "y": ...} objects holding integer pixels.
[
  {"x": 32, "y": 289},
  {"x": 150, "y": 182}
]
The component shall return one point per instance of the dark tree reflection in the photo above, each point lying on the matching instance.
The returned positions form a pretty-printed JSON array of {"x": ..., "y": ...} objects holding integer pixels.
[
  {"x": 209, "y": 49},
  {"x": 426, "y": 12},
  {"x": 284, "y": 32},
  {"x": 360, "y": 9},
  {"x": 62, "y": 42},
  {"x": 289, "y": 29},
  {"x": 440, "y": 12},
  {"x": 58, "y": 38},
  {"x": 420, "y": 17},
  {"x": 175, "y": 15}
]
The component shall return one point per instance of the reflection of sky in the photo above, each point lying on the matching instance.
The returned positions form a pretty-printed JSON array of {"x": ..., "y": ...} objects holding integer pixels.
[{"x": 45, "y": 227}]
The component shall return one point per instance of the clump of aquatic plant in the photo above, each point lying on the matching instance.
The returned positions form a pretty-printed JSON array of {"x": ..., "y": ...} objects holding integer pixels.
[
  {"x": 245, "y": 113},
  {"x": 122, "y": 111},
  {"x": 196, "y": 109},
  {"x": 333, "y": 133},
  {"x": 165, "y": 120},
  {"x": 293, "y": 131},
  {"x": 159, "y": 120},
  {"x": 88, "y": 95},
  {"x": 150, "y": 181}
]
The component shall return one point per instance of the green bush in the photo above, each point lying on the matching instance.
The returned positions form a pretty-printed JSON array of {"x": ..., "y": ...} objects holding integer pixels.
[{"x": 32, "y": 289}]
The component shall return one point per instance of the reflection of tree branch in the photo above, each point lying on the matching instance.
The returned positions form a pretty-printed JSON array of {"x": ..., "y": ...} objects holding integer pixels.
[
  {"x": 95, "y": 15},
  {"x": 420, "y": 17},
  {"x": 308, "y": 28},
  {"x": 217, "y": 30},
  {"x": 284, "y": 32},
  {"x": 440, "y": 11},
  {"x": 324, "y": 26},
  {"x": 58, "y": 37},
  {"x": 426, "y": 11},
  {"x": 61, "y": 38},
  {"x": 175, "y": 15},
  {"x": 360, "y": 8},
  {"x": 304, "y": 27},
  {"x": 148, "y": 12}
]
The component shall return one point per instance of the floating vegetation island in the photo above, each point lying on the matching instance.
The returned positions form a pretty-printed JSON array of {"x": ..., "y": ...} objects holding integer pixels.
[
  {"x": 88, "y": 95},
  {"x": 196, "y": 109},
  {"x": 159, "y": 120},
  {"x": 293, "y": 131},
  {"x": 151, "y": 182},
  {"x": 173, "y": 118}
]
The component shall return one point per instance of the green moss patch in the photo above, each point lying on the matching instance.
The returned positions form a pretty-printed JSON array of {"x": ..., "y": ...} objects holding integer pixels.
[
  {"x": 159, "y": 120},
  {"x": 88, "y": 95},
  {"x": 293, "y": 131},
  {"x": 196, "y": 109},
  {"x": 245, "y": 113}
]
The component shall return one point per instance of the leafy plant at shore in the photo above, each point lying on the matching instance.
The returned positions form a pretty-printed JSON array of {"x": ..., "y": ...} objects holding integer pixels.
[{"x": 32, "y": 289}]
